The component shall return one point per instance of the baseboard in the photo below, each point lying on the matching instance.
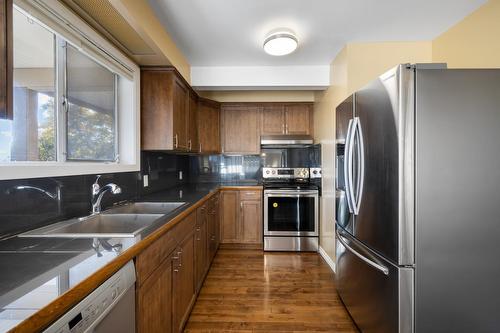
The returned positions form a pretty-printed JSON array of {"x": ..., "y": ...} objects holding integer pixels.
[{"x": 327, "y": 258}]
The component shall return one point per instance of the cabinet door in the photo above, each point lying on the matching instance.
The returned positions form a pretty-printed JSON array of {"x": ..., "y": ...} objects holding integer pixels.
[
  {"x": 183, "y": 283},
  {"x": 241, "y": 129},
  {"x": 230, "y": 217},
  {"x": 193, "y": 143},
  {"x": 154, "y": 301},
  {"x": 251, "y": 222},
  {"x": 180, "y": 115},
  {"x": 209, "y": 127},
  {"x": 200, "y": 247},
  {"x": 298, "y": 119},
  {"x": 217, "y": 221},
  {"x": 273, "y": 120}
]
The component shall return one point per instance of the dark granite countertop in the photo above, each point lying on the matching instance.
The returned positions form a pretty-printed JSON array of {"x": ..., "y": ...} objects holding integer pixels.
[{"x": 38, "y": 270}]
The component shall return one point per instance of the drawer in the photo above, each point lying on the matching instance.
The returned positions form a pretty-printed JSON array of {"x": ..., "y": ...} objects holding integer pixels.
[
  {"x": 149, "y": 259},
  {"x": 201, "y": 215},
  {"x": 250, "y": 195},
  {"x": 184, "y": 228}
]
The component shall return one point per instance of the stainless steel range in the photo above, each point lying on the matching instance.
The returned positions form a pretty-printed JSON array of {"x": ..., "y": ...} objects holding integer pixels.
[{"x": 291, "y": 209}]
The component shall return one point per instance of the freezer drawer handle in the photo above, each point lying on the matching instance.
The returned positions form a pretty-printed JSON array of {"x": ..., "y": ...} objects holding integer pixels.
[{"x": 379, "y": 267}]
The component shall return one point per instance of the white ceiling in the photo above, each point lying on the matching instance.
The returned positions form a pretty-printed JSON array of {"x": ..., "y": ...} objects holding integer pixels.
[{"x": 231, "y": 32}]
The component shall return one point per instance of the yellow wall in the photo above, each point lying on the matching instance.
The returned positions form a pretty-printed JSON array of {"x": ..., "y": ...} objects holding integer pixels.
[
  {"x": 260, "y": 95},
  {"x": 473, "y": 42},
  {"x": 356, "y": 65},
  {"x": 140, "y": 15}
]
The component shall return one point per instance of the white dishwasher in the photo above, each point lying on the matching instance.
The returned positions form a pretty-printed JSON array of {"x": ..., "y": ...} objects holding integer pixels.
[{"x": 109, "y": 308}]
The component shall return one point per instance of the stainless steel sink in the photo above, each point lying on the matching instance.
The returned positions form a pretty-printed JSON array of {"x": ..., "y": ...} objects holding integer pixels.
[
  {"x": 101, "y": 226},
  {"x": 146, "y": 208}
]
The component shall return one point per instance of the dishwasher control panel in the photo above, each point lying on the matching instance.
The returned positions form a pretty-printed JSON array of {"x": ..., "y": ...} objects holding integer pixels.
[{"x": 91, "y": 310}]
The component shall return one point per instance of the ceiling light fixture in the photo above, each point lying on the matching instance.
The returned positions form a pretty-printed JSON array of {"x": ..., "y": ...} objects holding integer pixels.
[{"x": 280, "y": 43}]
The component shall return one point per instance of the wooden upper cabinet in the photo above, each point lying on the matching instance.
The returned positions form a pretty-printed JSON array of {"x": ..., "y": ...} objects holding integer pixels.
[
  {"x": 168, "y": 111},
  {"x": 273, "y": 120},
  {"x": 298, "y": 119},
  {"x": 193, "y": 140},
  {"x": 209, "y": 126},
  {"x": 180, "y": 115},
  {"x": 240, "y": 129},
  {"x": 6, "y": 57}
]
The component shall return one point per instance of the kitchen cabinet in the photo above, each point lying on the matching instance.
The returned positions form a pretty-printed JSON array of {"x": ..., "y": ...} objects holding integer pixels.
[
  {"x": 193, "y": 140},
  {"x": 154, "y": 301},
  {"x": 213, "y": 227},
  {"x": 241, "y": 218},
  {"x": 286, "y": 119},
  {"x": 6, "y": 57},
  {"x": 168, "y": 111},
  {"x": 230, "y": 217},
  {"x": 298, "y": 119},
  {"x": 201, "y": 239},
  {"x": 273, "y": 119},
  {"x": 209, "y": 126},
  {"x": 183, "y": 283},
  {"x": 240, "y": 129},
  {"x": 251, "y": 221}
]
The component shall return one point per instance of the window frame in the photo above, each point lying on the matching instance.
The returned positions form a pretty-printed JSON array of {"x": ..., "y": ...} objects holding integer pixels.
[{"x": 56, "y": 17}]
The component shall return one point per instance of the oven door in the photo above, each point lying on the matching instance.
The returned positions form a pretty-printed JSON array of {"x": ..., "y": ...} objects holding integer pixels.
[{"x": 291, "y": 213}]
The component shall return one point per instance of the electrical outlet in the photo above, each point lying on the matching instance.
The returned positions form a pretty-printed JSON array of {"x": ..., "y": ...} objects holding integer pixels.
[
  {"x": 180, "y": 175},
  {"x": 145, "y": 180}
]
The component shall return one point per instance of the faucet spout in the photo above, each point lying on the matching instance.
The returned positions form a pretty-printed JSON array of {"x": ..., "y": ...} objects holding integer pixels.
[{"x": 98, "y": 192}]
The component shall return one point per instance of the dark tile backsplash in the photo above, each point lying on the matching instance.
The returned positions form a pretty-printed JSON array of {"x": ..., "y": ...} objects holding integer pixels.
[{"x": 30, "y": 203}]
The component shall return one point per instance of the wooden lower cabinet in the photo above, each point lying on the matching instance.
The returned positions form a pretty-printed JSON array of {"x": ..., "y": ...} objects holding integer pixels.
[
  {"x": 154, "y": 301},
  {"x": 171, "y": 270},
  {"x": 230, "y": 217},
  {"x": 201, "y": 240},
  {"x": 251, "y": 221},
  {"x": 183, "y": 284},
  {"x": 241, "y": 217}
]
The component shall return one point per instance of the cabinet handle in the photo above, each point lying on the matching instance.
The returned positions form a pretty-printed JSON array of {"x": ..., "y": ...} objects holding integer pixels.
[
  {"x": 286, "y": 129},
  {"x": 241, "y": 204},
  {"x": 176, "y": 141},
  {"x": 200, "y": 147},
  {"x": 176, "y": 270},
  {"x": 189, "y": 144},
  {"x": 283, "y": 130}
]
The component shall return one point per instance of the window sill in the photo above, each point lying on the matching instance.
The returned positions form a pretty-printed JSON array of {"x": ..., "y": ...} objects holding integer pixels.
[{"x": 21, "y": 170}]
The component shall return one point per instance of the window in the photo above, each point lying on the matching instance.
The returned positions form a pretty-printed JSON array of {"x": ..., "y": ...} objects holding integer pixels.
[
  {"x": 30, "y": 136},
  {"x": 91, "y": 106},
  {"x": 65, "y": 103}
]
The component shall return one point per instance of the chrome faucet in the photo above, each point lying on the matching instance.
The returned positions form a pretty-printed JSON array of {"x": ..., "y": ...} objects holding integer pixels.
[{"x": 98, "y": 192}]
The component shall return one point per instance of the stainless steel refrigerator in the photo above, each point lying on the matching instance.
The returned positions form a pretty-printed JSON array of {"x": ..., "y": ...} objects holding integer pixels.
[{"x": 418, "y": 201}]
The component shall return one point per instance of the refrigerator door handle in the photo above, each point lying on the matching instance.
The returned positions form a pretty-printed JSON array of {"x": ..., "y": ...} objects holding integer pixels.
[
  {"x": 375, "y": 265},
  {"x": 347, "y": 166},
  {"x": 361, "y": 169}
]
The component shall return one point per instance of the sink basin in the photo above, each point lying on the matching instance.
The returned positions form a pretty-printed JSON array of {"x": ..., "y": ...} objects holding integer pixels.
[
  {"x": 146, "y": 208},
  {"x": 97, "y": 226}
]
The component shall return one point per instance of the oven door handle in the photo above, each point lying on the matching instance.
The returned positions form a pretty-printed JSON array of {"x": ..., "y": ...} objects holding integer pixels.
[{"x": 291, "y": 193}]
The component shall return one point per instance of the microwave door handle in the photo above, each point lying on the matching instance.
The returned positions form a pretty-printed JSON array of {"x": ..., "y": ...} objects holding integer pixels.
[
  {"x": 361, "y": 168},
  {"x": 372, "y": 263},
  {"x": 351, "y": 200}
]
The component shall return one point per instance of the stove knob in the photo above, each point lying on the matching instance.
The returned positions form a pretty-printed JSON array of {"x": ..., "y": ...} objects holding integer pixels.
[
  {"x": 274, "y": 172},
  {"x": 315, "y": 172},
  {"x": 267, "y": 172}
]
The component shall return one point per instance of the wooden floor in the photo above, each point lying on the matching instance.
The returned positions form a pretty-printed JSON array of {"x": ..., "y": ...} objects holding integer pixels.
[{"x": 255, "y": 291}]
